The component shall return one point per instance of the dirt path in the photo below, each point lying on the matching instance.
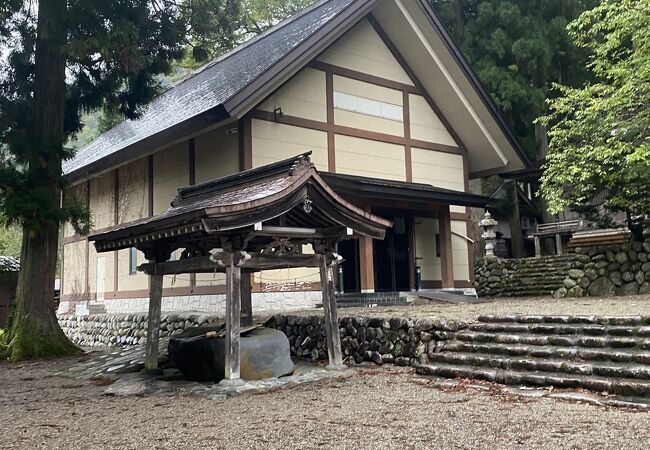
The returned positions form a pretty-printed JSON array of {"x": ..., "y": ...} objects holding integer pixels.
[{"x": 378, "y": 408}]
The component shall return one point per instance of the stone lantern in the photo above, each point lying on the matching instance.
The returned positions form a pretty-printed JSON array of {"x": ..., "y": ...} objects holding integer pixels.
[{"x": 489, "y": 235}]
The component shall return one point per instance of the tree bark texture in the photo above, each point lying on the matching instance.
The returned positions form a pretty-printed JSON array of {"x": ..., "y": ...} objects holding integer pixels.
[{"x": 35, "y": 331}]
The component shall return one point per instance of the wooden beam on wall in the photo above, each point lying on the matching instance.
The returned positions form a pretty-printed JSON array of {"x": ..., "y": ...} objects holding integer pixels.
[
  {"x": 87, "y": 274},
  {"x": 407, "y": 136},
  {"x": 150, "y": 183},
  {"x": 191, "y": 154},
  {"x": 245, "y": 143},
  {"x": 331, "y": 141},
  {"x": 446, "y": 250},
  {"x": 116, "y": 220}
]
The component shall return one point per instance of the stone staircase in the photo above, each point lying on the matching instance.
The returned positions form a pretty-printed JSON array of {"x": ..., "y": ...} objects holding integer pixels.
[
  {"x": 356, "y": 299},
  {"x": 605, "y": 354},
  {"x": 538, "y": 276}
]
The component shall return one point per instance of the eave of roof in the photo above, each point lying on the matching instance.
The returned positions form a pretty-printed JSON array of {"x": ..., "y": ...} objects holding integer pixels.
[{"x": 401, "y": 190}]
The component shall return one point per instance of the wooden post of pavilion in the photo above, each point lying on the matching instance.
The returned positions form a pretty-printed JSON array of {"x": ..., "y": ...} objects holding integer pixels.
[
  {"x": 153, "y": 325},
  {"x": 331, "y": 315},
  {"x": 233, "y": 317}
]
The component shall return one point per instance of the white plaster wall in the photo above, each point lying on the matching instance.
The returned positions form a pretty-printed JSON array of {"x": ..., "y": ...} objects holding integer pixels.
[
  {"x": 362, "y": 49},
  {"x": 263, "y": 303}
]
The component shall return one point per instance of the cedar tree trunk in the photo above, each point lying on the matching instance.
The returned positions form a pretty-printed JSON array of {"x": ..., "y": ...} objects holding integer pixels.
[{"x": 35, "y": 331}]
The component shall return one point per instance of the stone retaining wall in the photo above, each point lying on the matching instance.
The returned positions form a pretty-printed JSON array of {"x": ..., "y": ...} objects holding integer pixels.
[
  {"x": 396, "y": 340},
  {"x": 609, "y": 270},
  {"x": 597, "y": 271},
  {"x": 125, "y": 329}
]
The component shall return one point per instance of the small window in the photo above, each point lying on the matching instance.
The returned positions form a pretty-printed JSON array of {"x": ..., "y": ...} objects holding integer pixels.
[
  {"x": 368, "y": 106},
  {"x": 133, "y": 260},
  {"x": 392, "y": 112},
  {"x": 438, "y": 245}
]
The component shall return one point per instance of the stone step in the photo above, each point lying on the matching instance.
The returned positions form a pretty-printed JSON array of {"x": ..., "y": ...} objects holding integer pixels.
[
  {"x": 596, "y": 320},
  {"x": 527, "y": 293},
  {"x": 543, "y": 270},
  {"x": 612, "y": 370},
  {"x": 620, "y": 386},
  {"x": 522, "y": 287},
  {"x": 628, "y": 355},
  {"x": 558, "y": 340},
  {"x": 562, "y": 329},
  {"x": 537, "y": 275}
]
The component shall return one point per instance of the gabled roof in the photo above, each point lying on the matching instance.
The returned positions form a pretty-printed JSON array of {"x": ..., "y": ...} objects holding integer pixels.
[
  {"x": 205, "y": 93},
  {"x": 289, "y": 192},
  {"x": 226, "y": 88}
]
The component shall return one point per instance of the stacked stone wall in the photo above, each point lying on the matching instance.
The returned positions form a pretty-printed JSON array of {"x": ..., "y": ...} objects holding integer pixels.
[
  {"x": 400, "y": 341},
  {"x": 397, "y": 340},
  {"x": 609, "y": 270},
  {"x": 125, "y": 329},
  {"x": 596, "y": 271}
]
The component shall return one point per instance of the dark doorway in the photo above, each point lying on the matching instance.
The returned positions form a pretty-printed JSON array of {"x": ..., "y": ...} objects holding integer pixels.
[
  {"x": 349, "y": 250},
  {"x": 391, "y": 258}
]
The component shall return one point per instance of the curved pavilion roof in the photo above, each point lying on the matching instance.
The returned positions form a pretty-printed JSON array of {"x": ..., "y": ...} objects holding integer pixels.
[{"x": 287, "y": 199}]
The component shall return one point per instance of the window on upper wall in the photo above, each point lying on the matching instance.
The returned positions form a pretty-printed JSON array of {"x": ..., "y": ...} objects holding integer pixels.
[
  {"x": 368, "y": 106},
  {"x": 133, "y": 260}
]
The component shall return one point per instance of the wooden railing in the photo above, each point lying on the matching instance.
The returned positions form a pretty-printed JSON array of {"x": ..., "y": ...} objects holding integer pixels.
[{"x": 559, "y": 227}]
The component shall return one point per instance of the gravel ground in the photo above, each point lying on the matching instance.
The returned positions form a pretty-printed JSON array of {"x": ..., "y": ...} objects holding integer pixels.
[
  {"x": 377, "y": 408},
  {"x": 613, "y": 306}
]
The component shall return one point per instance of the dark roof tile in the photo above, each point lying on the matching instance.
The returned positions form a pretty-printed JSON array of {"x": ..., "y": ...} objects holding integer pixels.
[{"x": 212, "y": 85}]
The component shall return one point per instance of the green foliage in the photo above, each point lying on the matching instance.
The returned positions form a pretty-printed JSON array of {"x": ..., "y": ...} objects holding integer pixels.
[
  {"x": 114, "y": 52},
  {"x": 10, "y": 239},
  {"x": 4, "y": 344},
  {"x": 517, "y": 48},
  {"x": 599, "y": 149}
]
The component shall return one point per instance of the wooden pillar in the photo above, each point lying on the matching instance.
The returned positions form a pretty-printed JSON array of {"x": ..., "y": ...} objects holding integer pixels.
[
  {"x": 233, "y": 313},
  {"x": 446, "y": 251},
  {"x": 331, "y": 315},
  {"x": 558, "y": 244},
  {"x": 538, "y": 247},
  {"x": 153, "y": 326},
  {"x": 246, "y": 299},
  {"x": 410, "y": 229},
  {"x": 366, "y": 265}
]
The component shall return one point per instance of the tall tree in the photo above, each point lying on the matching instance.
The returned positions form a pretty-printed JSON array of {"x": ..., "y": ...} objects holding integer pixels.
[
  {"x": 62, "y": 58},
  {"x": 599, "y": 149},
  {"x": 518, "y": 48}
]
